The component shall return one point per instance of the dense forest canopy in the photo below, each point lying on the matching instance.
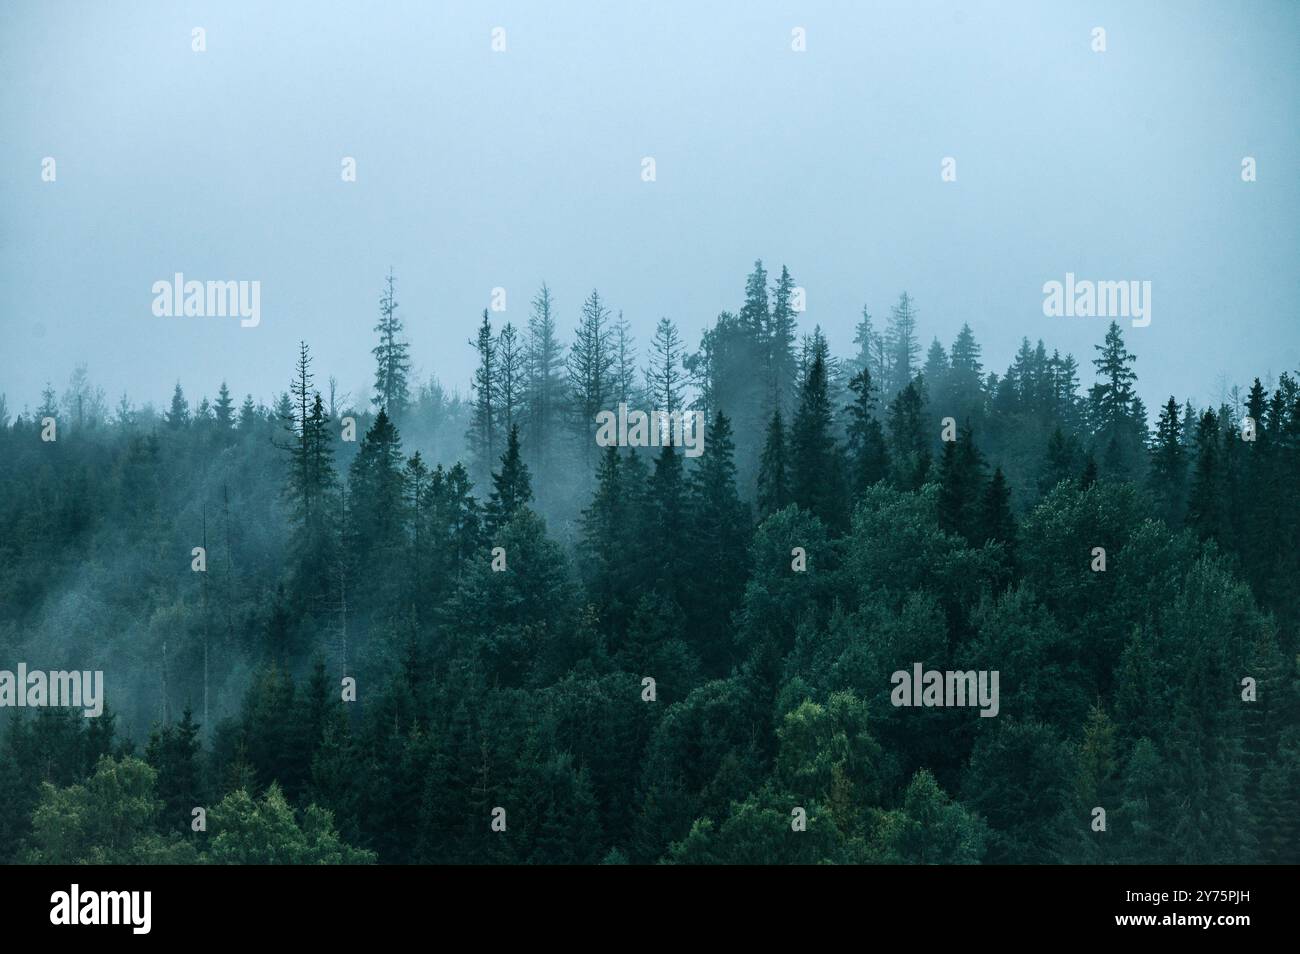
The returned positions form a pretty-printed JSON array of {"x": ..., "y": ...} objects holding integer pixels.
[{"x": 428, "y": 628}]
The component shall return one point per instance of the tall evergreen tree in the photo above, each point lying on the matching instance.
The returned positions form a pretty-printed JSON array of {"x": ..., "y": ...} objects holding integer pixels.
[
  {"x": 485, "y": 424},
  {"x": 868, "y": 455},
  {"x": 665, "y": 377},
  {"x": 510, "y": 377},
  {"x": 1168, "y": 475},
  {"x": 545, "y": 389},
  {"x": 511, "y": 488},
  {"x": 815, "y": 471},
  {"x": 901, "y": 344},
  {"x": 392, "y": 357},
  {"x": 178, "y": 415},
  {"x": 774, "y": 471},
  {"x": 590, "y": 369},
  {"x": 781, "y": 337}
]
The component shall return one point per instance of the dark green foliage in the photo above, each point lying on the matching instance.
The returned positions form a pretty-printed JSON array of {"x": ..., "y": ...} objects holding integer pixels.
[{"x": 606, "y": 645}]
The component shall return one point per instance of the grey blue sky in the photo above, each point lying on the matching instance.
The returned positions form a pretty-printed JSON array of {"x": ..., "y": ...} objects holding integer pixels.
[{"x": 478, "y": 169}]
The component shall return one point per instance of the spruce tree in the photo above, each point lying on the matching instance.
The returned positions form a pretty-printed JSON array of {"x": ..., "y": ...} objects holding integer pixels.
[
  {"x": 178, "y": 416},
  {"x": 815, "y": 472},
  {"x": 225, "y": 409},
  {"x": 392, "y": 357},
  {"x": 1205, "y": 500},
  {"x": 485, "y": 423},
  {"x": 511, "y": 488},
  {"x": 774, "y": 471},
  {"x": 900, "y": 342},
  {"x": 868, "y": 455},
  {"x": 591, "y": 370},
  {"x": 1168, "y": 474},
  {"x": 510, "y": 377},
  {"x": 996, "y": 521},
  {"x": 664, "y": 377},
  {"x": 781, "y": 359}
]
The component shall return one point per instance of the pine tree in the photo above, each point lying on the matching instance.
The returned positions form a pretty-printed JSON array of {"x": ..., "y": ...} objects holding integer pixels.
[
  {"x": 868, "y": 455},
  {"x": 50, "y": 402},
  {"x": 867, "y": 339},
  {"x": 665, "y": 377},
  {"x": 908, "y": 446},
  {"x": 719, "y": 538},
  {"x": 485, "y": 423},
  {"x": 966, "y": 380},
  {"x": 774, "y": 472},
  {"x": 545, "y": 390},
  {"x": 392, "y": 357},
  {"x": 590, "y": 370},
  {"x": 605, "y": 523},
  {"x": 1111, "y": 402},
  {"x": 815, "y": 472},
  {"x": 781, "y": 361},
  {"x": 1061, "y": 462},
  {"x": 1089, "y": 476},
  {"x": 377, "y": 494},
  {"x": 511, "y": 488},
  {"x": 669, "y": 508},
  {"x": 625, "y": 390},
  {"x": 755, "y": 316},
  {"x": 179, "y": 414},
  {"x": 961, "y": 487},
  {"x": 225, "y": 409},
  {"x": 936, "y": 376},
  {"x": 247, "y": 414},
  {"x": 510, "y": 380},
  {"x": 996, "y": 521},
  {"x": 1205, "y": 500},
  {"x": 900, "y": 342},
  {"x": 1169, "y": 464}
]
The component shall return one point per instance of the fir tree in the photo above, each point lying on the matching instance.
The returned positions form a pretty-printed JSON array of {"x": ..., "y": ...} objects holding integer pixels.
[
  {"x": 814, "y": 457},
  {"x": 392, "y": 357},
  {"x": 511, "y": 488},
  {"x": 868, "y": 455},
  {"x": 774, "y": 471}
]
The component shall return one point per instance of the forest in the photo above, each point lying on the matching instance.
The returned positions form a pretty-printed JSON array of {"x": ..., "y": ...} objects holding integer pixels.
[{"x": 419, "y": 627}]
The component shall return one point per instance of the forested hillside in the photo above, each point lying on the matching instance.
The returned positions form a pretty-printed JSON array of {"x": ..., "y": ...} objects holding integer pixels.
[{"x": 626, "y": 655}]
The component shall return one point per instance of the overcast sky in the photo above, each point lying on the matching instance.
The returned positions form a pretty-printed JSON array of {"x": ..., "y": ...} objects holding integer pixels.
[{"x": 478, "y": 169}]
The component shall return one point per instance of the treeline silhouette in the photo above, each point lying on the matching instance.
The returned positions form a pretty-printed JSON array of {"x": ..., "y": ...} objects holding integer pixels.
[{"x": 620, "y": 647}]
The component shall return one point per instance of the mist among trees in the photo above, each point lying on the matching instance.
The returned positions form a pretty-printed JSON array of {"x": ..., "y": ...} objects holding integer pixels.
[{"x": 500, "y": 589}]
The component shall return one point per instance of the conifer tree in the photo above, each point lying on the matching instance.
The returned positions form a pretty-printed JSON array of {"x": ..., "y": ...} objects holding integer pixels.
[
  {"x": 545, "y": 390},
  {"x": 591, "y": 370},
  {"x": 511, "y": 488},
  {"x": 868, "y": 455},
  {"x": 1169, "y": 464},
  {"x": 908, "y": 446},
  {"x": 510, "y": 381},
  {"x": 1060, "y": 463},
  {"x": 815, "y": 471},
  {"x": 996, "y": 521},
  {"x": 781, "y": 360},
  {"x": 774, "y": 470},
  {"x": 485, "y": 423},
  {"x": 665, "y": 377},
  {"x": 901, "y": 344},
  {"x": 225, "y": 409},
  {"x": 178, "y": 415},
  {"x": 1205, "y": 499},
  {"x": 392, "y": 357}
]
